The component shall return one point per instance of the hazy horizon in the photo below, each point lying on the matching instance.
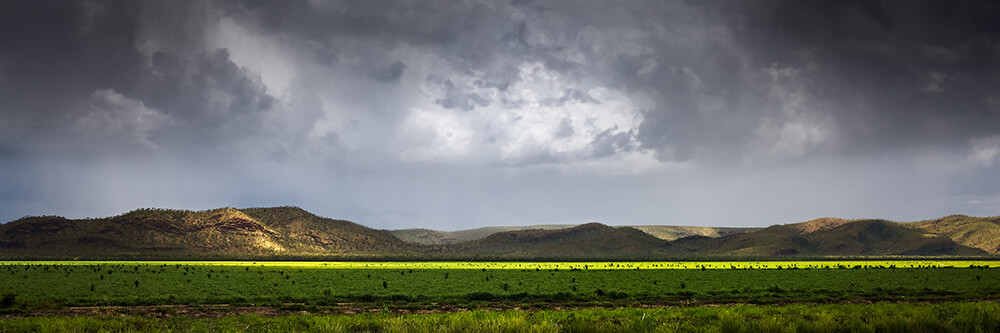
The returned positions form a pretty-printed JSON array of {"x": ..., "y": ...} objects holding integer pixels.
[{"x": 456, "y": 115}]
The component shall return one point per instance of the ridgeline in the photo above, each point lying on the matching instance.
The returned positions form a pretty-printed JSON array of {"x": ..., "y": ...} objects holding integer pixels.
[{"x": 290, "y": 233}]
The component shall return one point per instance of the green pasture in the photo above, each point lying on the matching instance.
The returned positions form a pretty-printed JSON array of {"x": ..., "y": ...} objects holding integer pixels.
[{"x": 40, "y": 284}]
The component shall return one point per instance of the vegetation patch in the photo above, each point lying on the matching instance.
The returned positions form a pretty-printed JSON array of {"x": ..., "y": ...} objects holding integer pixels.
[{"x": 878, "y": 317}]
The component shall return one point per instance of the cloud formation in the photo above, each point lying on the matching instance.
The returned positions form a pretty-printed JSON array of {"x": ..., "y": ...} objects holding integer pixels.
[{"x": 444, "y": 114}]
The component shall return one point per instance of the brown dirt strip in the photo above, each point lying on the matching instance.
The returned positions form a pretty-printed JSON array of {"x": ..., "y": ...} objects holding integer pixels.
[{"x": 223, "y": 310}]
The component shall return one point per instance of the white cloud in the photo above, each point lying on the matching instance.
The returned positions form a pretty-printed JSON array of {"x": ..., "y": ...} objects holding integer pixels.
[
  {"x": 266, "y": 55},
  {"x": 552, "y": 120},
  {"x": 985, "y": 150},
  {"x": 436, "y": 136}
]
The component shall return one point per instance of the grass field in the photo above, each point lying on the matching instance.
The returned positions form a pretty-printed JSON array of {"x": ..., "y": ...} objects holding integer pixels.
[
  {"x": 28, "y": 285},
  {"x": 879, "y": 317}
]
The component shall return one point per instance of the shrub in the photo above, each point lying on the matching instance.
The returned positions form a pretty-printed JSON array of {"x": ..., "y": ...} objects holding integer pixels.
[{"x": 8, "y": 299}]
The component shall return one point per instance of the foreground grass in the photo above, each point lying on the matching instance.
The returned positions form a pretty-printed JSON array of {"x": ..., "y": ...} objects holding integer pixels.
[{"x": 878, "y": 317}]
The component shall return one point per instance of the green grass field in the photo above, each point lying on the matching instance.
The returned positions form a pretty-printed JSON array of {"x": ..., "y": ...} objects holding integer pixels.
[
  {"x": 879, "y": 317},
  {"x": 27, "y": 285}
]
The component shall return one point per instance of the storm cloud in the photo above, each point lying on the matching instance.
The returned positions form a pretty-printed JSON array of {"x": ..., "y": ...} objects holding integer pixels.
[{"x": 446, "y": 114}]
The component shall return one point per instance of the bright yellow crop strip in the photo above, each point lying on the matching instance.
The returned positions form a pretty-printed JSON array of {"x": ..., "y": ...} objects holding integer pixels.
[{"x": 546, "y": 265}]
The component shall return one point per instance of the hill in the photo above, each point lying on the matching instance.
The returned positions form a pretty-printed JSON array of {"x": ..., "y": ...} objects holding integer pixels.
[
  {"x": 435, "y": 237},
  {"x": 293, "y": 233},
  {"x": 977, "y": 232},
  {"x": 591, "y": 240},
  {"x": 671, "y": 232},
  {"x": 225, "y": 232},
  {"x": 664, "y": 232},
  {"x": 825, "y": 237}
]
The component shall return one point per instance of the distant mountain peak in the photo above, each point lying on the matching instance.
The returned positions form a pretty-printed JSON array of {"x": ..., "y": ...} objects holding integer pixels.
[
  {"x": 590, "y": 226},
  {"x": 822, "y": 223}
]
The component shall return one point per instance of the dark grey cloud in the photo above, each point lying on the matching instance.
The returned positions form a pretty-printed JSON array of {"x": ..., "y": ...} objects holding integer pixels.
[
  {"x": 871, "y": 76},
  {"x": 608, "y": 143},
  {"x": 565, "y": 128},
  {"x": 890, "y": 74},
  {"x": 390, "y": 73},
  {"x": 211, "y": 99},
  {"x": 443, "y": 112},
  {"x": 431, "y": 22},
  {"x": 76, "y": 72},
  {"x": 55, "y": 53},
  {"x": 455, "y": 98}
]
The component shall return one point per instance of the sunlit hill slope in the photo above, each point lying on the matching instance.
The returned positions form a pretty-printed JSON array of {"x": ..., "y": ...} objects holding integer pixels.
[{"x": 293, "y": 233}]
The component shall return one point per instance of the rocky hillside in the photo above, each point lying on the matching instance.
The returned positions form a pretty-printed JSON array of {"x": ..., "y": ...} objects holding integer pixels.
[{"x": 225, "y": 232}]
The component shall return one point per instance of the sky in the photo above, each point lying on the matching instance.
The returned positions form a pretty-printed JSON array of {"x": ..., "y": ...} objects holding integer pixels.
[{"x": 466, "y": 113}]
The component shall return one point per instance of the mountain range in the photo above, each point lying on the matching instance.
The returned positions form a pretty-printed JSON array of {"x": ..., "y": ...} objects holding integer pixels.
[{"x": 293, "y": 233}]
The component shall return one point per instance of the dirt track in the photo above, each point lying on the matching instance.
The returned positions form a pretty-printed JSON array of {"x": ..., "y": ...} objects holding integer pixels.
[{"x": 222, "y": 310}]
